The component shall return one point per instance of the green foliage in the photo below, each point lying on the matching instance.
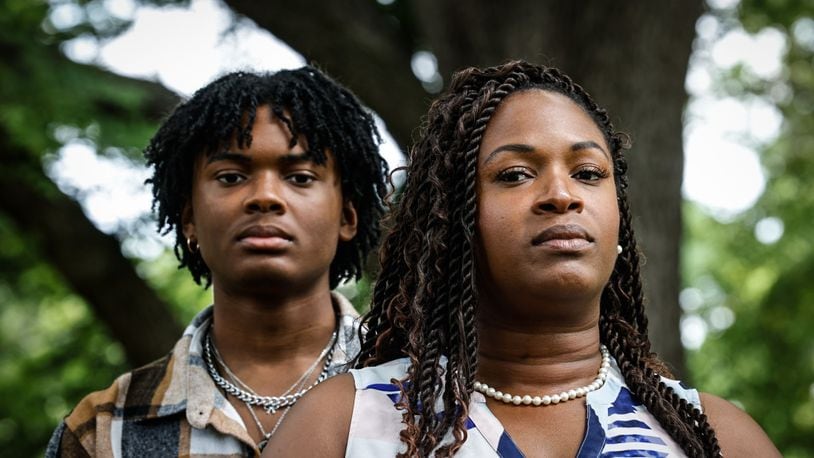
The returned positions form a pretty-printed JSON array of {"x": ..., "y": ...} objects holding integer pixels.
[
  {"x": 42, "y": 89},
  {"x": 54, "y": 350},
  {"x": 175, "y": 286},
  {"x": 765, "y": 360},
  {"x": 359, "y": 293}
]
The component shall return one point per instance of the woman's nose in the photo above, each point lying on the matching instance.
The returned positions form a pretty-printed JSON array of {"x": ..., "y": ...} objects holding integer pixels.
[{"x": 558, "y": 195}]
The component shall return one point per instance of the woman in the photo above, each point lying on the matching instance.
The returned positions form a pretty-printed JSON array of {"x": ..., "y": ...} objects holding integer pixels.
[{"x": 508, "y": 316}]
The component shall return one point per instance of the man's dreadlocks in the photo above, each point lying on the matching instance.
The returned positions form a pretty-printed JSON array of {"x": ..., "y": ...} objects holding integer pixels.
[{"x": 327, "y": 115}]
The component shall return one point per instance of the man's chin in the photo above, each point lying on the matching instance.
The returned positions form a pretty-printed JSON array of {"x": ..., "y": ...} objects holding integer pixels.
[{"x": 274, "y": 280}]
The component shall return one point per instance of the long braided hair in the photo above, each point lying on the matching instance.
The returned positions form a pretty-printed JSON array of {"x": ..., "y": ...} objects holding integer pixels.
[
  {"x": 308, "y": 102},
  {"x": 424, "y": 303}
]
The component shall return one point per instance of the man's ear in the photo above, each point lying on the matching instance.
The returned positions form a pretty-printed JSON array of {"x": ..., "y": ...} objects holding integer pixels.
[
  {"x": 188, "y": 221},
  {"x": 348, "y": 225}
]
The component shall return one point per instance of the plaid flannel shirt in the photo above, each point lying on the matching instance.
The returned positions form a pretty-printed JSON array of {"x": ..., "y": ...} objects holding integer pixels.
[{"x": 171, "y": 407}]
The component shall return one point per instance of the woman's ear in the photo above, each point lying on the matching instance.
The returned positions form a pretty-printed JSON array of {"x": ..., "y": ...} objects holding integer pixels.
[{"x": 349, "y": 222}]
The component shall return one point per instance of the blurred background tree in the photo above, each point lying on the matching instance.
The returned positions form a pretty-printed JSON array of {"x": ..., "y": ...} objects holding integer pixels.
[
  {"x": 82, "y": 301},
  {"x": 748, "y": 277}
]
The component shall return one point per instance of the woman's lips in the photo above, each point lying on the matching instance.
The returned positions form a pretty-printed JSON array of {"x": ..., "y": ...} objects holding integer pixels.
[
  {"x": 563, "y": 238},
  {"x": 565, "y": 244}
]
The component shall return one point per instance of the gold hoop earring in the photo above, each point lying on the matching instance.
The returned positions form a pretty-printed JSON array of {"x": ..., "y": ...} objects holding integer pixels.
[{"x": 192, "y": 245}]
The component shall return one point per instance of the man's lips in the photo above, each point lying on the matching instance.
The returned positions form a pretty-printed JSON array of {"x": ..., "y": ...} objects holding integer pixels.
[
  {"x": 265, "y": 237},
  {"x": 566, "y": 237}
]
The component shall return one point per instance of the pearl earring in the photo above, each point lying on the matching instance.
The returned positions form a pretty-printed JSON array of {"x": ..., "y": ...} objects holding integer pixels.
[{"x": 618, "y": 249}]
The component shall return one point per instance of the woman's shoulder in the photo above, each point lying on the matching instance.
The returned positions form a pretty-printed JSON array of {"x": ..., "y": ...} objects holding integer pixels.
[{"x": 738, "y": 434}]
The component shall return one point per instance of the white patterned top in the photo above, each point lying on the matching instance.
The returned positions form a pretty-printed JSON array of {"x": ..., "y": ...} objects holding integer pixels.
[{"x": 616, "y": 424}]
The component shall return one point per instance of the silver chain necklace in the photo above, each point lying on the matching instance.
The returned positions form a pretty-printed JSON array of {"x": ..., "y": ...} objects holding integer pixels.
[
  {"x": 271, "y": 404},
  {"x": 266, "y": 435},
  {"x": 296, "y": 386}
]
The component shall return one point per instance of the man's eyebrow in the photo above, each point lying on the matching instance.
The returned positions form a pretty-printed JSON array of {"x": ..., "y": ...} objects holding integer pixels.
[
  {"x": 297, "y": 158},
  {"x": 510, "y": 148},
  {"x": 588, "y": 144},
  {"x": 229, "y": 156},
  {"x": 290, "y": 158}
]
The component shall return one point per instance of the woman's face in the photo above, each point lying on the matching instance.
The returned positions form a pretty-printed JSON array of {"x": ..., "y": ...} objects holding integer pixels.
[{"x": 548, "y": 219}]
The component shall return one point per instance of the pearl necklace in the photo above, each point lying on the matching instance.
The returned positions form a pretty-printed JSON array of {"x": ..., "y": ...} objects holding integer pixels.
[{"x": 516, "y": 399}]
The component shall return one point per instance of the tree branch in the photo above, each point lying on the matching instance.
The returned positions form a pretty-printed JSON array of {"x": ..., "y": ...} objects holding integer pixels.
[{"x": 357, "y": 43}]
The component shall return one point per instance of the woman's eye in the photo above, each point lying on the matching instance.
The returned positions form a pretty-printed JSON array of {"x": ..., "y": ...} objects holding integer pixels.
[
  {"x": 301, "y": 178},
  {"x": 230, "y": 178},
  {"x": 591, "y": 174},
  {"x": 514, "y": 175}
]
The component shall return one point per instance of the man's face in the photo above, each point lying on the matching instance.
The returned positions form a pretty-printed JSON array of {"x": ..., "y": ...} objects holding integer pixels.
[{"x": 268, "y": 217}]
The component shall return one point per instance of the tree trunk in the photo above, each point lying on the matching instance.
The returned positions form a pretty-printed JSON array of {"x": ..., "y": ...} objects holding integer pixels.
[
  {"x": 90, "y": 261},
  {"x": 632, "y": 56}
]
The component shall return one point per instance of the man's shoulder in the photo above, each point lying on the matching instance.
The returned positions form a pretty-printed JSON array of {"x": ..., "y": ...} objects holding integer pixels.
[
  {"x": 127, "y": 390},
  {"x": 129, "y": 396}
]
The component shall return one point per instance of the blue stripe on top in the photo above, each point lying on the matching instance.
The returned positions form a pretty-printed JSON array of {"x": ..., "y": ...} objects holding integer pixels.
[
  {"x": 636, "y": 453},
  {"x": 623, "y": 404},
  {"x": 594, "y": 438},
  {"x": 627, "y": 438},
  {"x": 628, "y": 424},
  {"x": 382, "y": 387},
  {"x": 506, "y": 448}
]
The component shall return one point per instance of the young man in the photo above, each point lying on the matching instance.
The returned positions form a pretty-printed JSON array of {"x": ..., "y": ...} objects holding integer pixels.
[{"x": 273, "y": 186}]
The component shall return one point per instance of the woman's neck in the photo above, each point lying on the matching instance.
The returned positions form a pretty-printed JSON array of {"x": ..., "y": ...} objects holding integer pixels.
[{"x": 537, "y": 357}]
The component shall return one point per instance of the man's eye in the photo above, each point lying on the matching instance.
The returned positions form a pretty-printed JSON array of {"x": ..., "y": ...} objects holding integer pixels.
[
  {"x": 514, "y": 175},
  {"x": 230, "y": 178},
  {"x": 301, "y": 178}
]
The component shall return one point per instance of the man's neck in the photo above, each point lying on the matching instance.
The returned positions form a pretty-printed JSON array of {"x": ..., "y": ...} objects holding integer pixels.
[{"x": 272, "y": 329}]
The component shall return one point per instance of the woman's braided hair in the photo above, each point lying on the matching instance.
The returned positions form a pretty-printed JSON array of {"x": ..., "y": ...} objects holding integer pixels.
[
  {"x": 425, "y": 301},
  {"x": 327, "y": 115}
]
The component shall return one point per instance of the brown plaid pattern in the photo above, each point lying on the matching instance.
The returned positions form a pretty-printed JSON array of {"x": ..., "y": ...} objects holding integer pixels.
[{"x": 172, "y": 407}]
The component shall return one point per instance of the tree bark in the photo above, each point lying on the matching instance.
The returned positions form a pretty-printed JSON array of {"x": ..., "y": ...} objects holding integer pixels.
[{"x": 632, "y": 56}]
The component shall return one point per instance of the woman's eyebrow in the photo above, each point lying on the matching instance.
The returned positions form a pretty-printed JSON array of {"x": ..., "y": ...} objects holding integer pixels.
[
  {"x": 588, "y": 144},
  {"x": 523, "y": 148},
  {"x": 510, "y": 148}
]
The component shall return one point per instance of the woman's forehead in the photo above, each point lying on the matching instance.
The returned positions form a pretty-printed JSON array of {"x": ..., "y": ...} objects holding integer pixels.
[{"x": 537, "y": 115}]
